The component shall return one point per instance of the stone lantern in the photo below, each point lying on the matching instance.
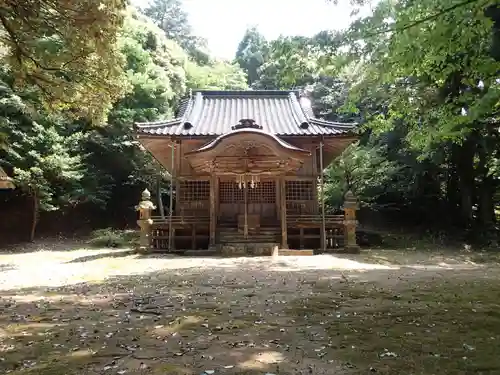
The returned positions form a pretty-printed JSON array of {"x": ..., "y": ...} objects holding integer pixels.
[
  {"x": 350, "y": 222},
  {"x": 145, "y": 208},
  {"x": 5, "y": 181}
]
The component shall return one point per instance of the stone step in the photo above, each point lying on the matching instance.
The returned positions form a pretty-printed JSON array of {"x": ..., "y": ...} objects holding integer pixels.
[
  {"x": 288, "y": 252},
  {"x": 247, "y": 240},
  {"x": 249, "y": 234},
  {"x": 261, "y": 231},
  {"x": 236, "y": 234},
  {"x": 243, "y": 249}
]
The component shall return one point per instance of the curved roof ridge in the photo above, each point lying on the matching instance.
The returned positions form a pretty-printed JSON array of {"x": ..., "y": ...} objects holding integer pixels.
[
  {"x": 196, "y": 106},
  {"x": 210, "y": 145},
  {"x": 297, "y": 108},
  {"x": 187, "y": 110}
]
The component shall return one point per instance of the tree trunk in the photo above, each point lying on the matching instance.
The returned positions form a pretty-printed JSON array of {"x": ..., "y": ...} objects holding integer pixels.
[
  {"x": 486, "y": 206},
  {"x": 36, "y": 208},
  {"x": 159, "y": 197},
  {"x": 452, "y": 194},
  {"x": 464, "y": 160}
]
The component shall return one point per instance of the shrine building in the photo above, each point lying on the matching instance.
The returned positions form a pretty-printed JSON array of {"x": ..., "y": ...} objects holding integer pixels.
[{"x": 247, "y": 173}]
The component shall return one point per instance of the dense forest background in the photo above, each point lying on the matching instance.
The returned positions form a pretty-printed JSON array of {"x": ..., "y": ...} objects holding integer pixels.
[{"x": 421, "y": 79}]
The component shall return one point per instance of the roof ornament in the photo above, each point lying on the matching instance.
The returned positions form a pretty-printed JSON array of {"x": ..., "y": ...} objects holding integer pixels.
[{"x": 246, "y": 123}]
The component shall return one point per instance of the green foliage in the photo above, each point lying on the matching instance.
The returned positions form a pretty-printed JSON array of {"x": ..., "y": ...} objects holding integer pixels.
[
  {"x": 44, "y": 158},
  {"x": 62, "y": 162},
  {"x": 112, "y": 238},
  {"x": 422, "y": 79},
  {"x": 251, "y": 54},
  {"x": 219, "y": 75},
  {"x": 430, "y": 70},
  {"x": 170, "y": 17},
  {"x": 366, "y": 171},
  {"x": 297, "y": 62},
  {"x": 68, "y": 52},
  {"x": 155, "y": 71},
  {"x": 437, "y": 85}
]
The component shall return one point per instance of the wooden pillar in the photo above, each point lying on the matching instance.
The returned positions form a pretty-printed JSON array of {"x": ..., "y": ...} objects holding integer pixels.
[
  {"x": 245, "y": 202},
  {"x": 322, "y": 194},
  {"x": 171, "y": 231},
  {"x": 159, "y": 197},
  {"x": 178, "y": 173},
  {"x": 277, "y": 199},
  {"x": 193, "y": 237},
  {"x": 213, "y": 213},
  {"x": 284, "y": 234},
  {"x": 301, "y": 238},
  {"x": 350, "y": 223}
]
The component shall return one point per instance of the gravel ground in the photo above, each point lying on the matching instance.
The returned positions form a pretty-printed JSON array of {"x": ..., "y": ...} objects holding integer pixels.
[{"x": 82, "y": 311}]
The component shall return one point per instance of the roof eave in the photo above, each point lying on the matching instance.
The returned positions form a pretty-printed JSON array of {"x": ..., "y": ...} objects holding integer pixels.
[
  {"x": 212, "y": 144},
  {"x": 333, "y": 124}
]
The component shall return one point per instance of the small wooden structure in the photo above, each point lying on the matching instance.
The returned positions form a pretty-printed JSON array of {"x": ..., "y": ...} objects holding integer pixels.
[
  {"x": 5, "y": 180},
  {"x": 246, "y": 169}
]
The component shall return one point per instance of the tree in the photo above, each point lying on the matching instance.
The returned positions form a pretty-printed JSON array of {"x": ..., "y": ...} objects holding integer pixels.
[
  {"x": 43, "y": 156},
  {"x": 67, "y": 51},
  {"x": 155, "y": 72},
  {"x": 251, "y": 54},
  {"x": 444, "y": 94},
  {"x": 218, "y": 75},
  {"x": 424, "y": 88},
  {"x": 296, "y": 62},
  {"x": 170, "y": 16}
]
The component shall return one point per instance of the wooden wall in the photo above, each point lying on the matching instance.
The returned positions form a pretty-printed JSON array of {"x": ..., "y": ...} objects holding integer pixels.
[
  {"x": 186, "y": 146},
  {"x": 160, "y": 149},
  {"x": 297, "y": 203}
]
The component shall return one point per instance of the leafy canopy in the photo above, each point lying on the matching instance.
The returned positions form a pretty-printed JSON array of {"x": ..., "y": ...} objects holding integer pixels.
[{"x": 67, "y": 50}]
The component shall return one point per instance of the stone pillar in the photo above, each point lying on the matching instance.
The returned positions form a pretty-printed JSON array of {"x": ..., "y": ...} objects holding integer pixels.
[
  {"x": 350, "y": 223},
  {"x": 145, "y": 207}
]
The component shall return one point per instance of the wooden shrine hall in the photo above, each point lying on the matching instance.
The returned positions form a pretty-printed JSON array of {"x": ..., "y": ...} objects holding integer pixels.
[{"x": 246, "y": 169}]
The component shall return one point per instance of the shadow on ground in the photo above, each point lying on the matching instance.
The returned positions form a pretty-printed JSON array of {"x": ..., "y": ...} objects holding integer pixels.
[
  {"x": 103, "y": 255},
  {"x": 119, "y": 313},
  {"x": 180, "y": 322}
]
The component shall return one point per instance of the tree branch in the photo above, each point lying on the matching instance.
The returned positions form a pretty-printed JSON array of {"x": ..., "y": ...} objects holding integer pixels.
[{"x": 421, "y": 20}]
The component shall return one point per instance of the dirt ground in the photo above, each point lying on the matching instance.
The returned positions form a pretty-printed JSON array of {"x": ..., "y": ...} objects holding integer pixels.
[{"x": 69, "y": 310}]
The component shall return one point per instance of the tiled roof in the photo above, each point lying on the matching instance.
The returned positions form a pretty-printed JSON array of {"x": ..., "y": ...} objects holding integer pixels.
[{"x": 214, "y": 113}]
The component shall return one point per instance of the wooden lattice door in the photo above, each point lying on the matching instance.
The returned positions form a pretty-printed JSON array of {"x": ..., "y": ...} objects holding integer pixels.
[
  {"x": 261, "y": 201},
  {"x": 231, "y": 201}
]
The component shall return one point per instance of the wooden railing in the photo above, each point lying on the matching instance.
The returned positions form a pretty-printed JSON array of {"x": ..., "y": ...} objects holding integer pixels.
[
  {"x": 315, "y": 220},
  {"x": 179, "y": 220},
  {"x": 188, "y": 229}
]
